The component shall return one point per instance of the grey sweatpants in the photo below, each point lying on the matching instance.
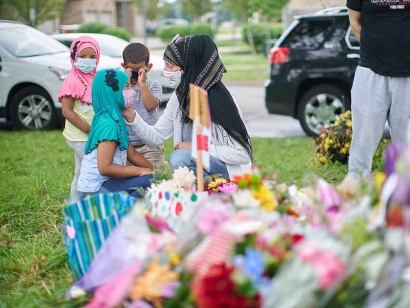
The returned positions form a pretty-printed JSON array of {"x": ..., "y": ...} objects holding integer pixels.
[
  {"x": 78, "y": 148},
  {"x": 375, "y": 99}
]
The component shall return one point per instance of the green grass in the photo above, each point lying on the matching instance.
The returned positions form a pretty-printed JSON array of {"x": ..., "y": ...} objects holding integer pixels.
[
  {"x": 241, "y": 65},
  {"x": 36, "y": 172}
]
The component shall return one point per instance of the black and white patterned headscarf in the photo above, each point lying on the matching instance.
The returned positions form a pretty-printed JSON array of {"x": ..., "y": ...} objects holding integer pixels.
[{"x": 198, "y": 57}]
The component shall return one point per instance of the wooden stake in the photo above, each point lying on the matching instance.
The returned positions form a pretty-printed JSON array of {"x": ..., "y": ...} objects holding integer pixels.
[{"x": 195, "y": 114}]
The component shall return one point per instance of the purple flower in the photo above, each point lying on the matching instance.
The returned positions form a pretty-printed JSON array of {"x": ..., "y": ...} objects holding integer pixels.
[{"x": 392, "y": 152}]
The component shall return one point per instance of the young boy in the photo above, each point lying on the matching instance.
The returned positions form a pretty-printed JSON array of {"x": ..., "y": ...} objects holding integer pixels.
[{"x": 147, "y": 99}]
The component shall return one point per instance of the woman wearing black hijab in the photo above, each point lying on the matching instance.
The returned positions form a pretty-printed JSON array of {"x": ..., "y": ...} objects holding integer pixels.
[{"x": 195, "y": 59}]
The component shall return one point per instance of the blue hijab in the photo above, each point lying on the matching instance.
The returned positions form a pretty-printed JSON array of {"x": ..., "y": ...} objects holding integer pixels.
[{"x": 108, "y": 101}]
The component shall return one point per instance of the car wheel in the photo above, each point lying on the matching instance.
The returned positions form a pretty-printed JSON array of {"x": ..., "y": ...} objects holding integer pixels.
[
  {"x": 32, "y": 108},
  {"x": 320, "y": 107}
]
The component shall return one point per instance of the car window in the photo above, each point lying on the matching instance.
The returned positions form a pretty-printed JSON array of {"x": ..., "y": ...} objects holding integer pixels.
[
  {"x": 337, "y": 38},
  {"x": 66, "y": 42},
  {"x": 29, "y": 42},
  {"x": 309, "y": 34},
  {"x": 109, "y": 45}
]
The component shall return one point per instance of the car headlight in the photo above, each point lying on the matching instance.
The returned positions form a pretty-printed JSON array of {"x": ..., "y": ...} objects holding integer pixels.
[{"x": 59, "y": 72}]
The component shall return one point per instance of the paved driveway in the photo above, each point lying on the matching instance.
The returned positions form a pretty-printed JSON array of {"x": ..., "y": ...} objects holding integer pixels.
[{"x": 250, "y": 98}]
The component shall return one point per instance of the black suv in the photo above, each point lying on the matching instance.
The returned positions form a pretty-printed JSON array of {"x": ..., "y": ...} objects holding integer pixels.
[{"x": 312, "y": 66}]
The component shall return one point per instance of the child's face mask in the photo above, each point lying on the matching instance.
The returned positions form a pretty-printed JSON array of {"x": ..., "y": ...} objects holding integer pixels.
[
  {"x": 129, "y": 95},
  {"x": 85, "y": 65},
  {"x": 174, "y": 78}
]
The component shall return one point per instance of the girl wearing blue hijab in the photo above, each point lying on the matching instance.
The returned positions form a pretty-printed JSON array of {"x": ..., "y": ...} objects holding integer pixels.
[{"x": 107, "y": 150}]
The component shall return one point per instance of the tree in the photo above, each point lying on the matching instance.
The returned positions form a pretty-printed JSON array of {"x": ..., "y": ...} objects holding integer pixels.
[
  {"x": 196, "y": 8},
  {"x": 20, "y": 10},
  {"x": 269, "y": 8},
  {"x": 239, "y": 8},
  {"x": 154, "y": 8}
]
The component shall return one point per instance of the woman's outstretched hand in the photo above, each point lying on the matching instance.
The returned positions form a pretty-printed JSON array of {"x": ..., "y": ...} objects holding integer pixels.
[
  {"x": 128, "y": 114},
  {"x": 183, "y": 145}
]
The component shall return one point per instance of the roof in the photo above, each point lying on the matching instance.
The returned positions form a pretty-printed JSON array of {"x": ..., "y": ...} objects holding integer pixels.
[
  {"x": 4, "y": 24},
  {"x": 334, "y": 11}
]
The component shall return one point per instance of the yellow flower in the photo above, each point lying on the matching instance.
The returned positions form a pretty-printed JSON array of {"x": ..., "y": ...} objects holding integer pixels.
[
  {"x": 349, "y": 123},
  {"x": 327, "y": 147},
  {"x": 215, "y": 183},
  {"x": 174, "y": 259},
  {"x": 343, "y": 151},
  {"x": 266, "y": 198},
  {"x": 379, "y": 179},
  {"x": 323, "y": 160}
]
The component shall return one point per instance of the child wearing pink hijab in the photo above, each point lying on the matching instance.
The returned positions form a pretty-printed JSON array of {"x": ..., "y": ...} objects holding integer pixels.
[{"x": 75, "y": 96}]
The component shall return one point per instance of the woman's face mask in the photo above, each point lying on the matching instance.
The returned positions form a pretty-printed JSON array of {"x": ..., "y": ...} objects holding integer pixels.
[
  {"x": 85, "y": 65},
  {"x": 129, "y": 95},
  {"x": 174, "y": 78}
]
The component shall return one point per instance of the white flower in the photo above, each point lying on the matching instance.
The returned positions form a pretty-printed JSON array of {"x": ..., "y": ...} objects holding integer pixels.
[
  {"x": 184, "y": 178},
  {"x": 244, "y": 199},
  {"x": 166, "y": 185}
]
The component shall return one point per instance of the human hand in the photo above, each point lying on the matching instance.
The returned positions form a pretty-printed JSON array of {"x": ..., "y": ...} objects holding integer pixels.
[
  {"x": 142, "y": 76},
  {"x": 128, "y": 71},
  {"x": 128, "y": 114},
  {"x": 183, "y": 145},
  {"x": 145, "y": 171}
]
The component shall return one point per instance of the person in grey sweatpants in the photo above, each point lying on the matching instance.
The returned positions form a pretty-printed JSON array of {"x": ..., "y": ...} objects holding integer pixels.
[
  {"x": 376, "y": 98},
  {"x": 381, "y": 86}
]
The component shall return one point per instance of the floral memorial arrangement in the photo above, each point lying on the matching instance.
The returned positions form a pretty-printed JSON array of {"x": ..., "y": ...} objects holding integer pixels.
[{"x": 254, "y": 243}]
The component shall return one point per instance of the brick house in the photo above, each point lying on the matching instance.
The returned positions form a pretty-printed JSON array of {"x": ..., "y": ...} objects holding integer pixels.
[
  {"x": 299, "y": 7},
  {"x": 122, "y": 13}
]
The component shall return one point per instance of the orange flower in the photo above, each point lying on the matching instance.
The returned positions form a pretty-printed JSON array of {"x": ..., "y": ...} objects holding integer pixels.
[{"x": 151, "y": 285}]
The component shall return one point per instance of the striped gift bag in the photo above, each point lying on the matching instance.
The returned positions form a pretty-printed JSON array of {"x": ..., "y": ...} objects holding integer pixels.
[{"x": 88, "y": 223}]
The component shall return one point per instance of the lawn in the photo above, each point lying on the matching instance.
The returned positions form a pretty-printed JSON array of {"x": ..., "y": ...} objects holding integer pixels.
[{"x": 36, "y": 172}]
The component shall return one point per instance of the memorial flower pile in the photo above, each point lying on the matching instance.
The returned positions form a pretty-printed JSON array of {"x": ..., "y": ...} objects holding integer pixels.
[{"x": 245, "y": 248}]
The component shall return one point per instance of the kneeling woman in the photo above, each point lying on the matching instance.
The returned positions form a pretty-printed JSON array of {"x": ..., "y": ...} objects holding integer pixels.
[
  {"x": 195, "y": 59},
  {"x": 104, "y": 168}
]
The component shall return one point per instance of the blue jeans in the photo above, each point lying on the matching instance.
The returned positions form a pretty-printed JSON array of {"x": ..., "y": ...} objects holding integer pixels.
[
  {"x": 182, "y": 157},
  {"x": 123, "y": 184}
]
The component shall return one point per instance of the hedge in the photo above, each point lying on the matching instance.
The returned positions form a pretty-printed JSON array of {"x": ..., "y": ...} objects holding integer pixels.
[
  {"x": 166, "y": 34},
  {"x": 260, "y": 32},
  {"x": 95, "y": 27}
]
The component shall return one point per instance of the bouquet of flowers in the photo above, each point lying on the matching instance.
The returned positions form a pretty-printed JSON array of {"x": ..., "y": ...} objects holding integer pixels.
[{"x": 333, "y": 143}]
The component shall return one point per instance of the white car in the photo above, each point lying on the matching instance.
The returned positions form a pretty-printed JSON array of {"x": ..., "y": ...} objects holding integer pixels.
[
  {"x": 113, "y": 47},
  {"x": 32, "y": 67}
]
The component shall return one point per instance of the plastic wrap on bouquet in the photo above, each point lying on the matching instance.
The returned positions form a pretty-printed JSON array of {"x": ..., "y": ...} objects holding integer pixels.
[
  {"x": 132, "y": 242},
  {"x": 88, "y": 223},
  {"x": 175, "y": 207}
]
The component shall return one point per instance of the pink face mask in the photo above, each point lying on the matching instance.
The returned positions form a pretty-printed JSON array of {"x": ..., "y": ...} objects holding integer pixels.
[{"x": 129, "y": 95}]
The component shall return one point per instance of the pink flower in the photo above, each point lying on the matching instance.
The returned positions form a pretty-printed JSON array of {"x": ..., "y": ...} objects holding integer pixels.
[
  {"x": 211, "y": 219},
  {"x": 335, "y": 220},
  {"x": 329, "y": 269},
  {"x": 307, "y": 251},
  {"x": 229, "y": 188},
  {"x": 328, "y": 195}
]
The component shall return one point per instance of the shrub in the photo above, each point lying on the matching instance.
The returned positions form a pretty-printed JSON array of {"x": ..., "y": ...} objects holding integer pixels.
[
  {"x": 119, "y": 32},
  {"x": 166, "y": 34},
  {"x": 260, "y": 32},
  {"x": 96, "y": 27},
  {"x": 92, "y": 27}
]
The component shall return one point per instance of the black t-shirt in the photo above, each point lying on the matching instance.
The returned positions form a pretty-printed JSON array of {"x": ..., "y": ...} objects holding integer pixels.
[{"x": 385, "y": 36}]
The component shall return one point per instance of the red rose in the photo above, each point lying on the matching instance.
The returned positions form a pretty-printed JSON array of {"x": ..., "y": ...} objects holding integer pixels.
[{"x": 217, "y": 290}]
